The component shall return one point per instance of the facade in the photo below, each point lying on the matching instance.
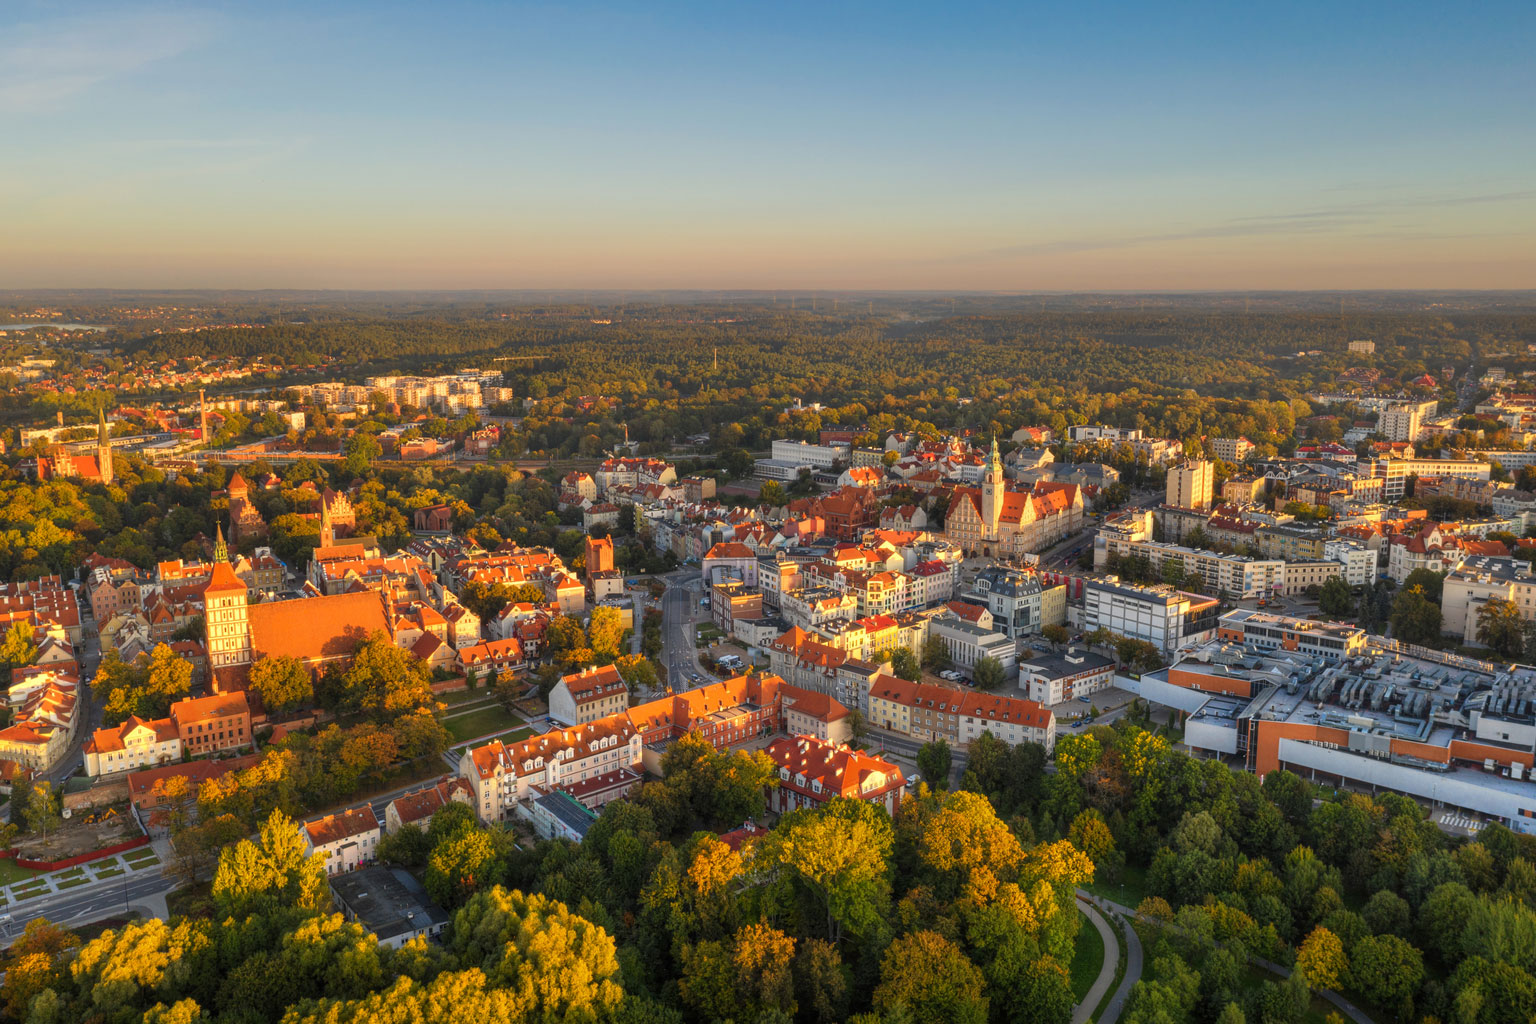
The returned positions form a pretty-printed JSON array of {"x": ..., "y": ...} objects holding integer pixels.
[
  {"x": 1332, "y": 641},
  {"x": 1231, "y": 449},
  {"x": 968, "y": 643},
  {"x": 1190, "y": 484},
  {"x": 211, "y": 724},
  {"x": 1166, "y": 618},
  {"x": 347, "y": 840},
  {"x": 1235, "y": 575},
  {"x": 1013, "y": 597},
  {"x": 1302, "y": 576},
  {"x": 813, "y": 771},
  {"x": 588, "y": 695},
  {"x": 1057, "y": 678}
]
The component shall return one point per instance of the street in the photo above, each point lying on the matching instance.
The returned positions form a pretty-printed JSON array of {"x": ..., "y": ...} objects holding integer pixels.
[{"x": 92, "y": 902}]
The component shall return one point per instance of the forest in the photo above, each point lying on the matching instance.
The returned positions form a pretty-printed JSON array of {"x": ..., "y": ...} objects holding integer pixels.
[{"x": 1250, "y": 896}]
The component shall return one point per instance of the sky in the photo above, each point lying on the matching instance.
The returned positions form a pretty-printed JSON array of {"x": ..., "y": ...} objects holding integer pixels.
[{"x": 955, "y": 146}]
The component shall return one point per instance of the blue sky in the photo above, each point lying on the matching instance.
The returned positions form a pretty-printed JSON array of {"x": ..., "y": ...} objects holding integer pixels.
[{"x": 1082, "y": 146}]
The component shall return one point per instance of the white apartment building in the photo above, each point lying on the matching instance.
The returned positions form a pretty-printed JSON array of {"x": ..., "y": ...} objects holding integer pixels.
[
  {"x": 968, "y": 644},
  {"x": 1397, "y": 471},
  {"x": 503, "y": 776},
  {"x": 1190, "y": 484},
  {"x": 1098, "y": 432},
  {"x": 1231, "y": 449},
  {"x": 1359, "y": 562},
  {"x": 347, "y": 840},
  {"x": 1478, "y": 581},
  {"x": 1236, "y": 575}
]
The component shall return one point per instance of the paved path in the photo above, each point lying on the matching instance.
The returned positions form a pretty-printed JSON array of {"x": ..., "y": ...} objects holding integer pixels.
[{"x": 1106, "y": 976}]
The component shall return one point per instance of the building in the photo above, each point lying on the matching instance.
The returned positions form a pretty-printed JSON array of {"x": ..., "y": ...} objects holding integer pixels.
[
  {"x": 968, "y": 643},
  {"x": 813, "y": 771},
  {"x": 1231, "y": 449},
  {"x": 992, "y": 521},
  {"x": 45, "y": 716},
  {"x": 347, "y": 840},
  {"x": 501, "y": 777},
  {"x": 588, "y": 695},
  {"x": 802, "y": 453},
  {"x": 731, "y": 600},
  {"x": 558, "y": 815},
  {"x": 1301, "y": 577},
  {"x": 1190, "y": 484},
  {"x": 214, "y": 723},
  {"x": 1476, "y": 582},
  {"x": 1269, "y": 632},
  {"x": 1364, "y": 347},
  {"x": 815, "y": 714},
  {"x": 1166, "y": 618},
  {"x": 390, "y": 904},
  {"x": 1234, "y": 575},
  {"x": 1010, "y": 719},
  {"x": 1057, "y": 678},
  {"x": 1397, "y": 471},
  {"x": 417, "y": 808},
  {"x": 1400, "y": 423},
  {"x": 1012, "y": 596},
  {"x": 135, "y": 744}
]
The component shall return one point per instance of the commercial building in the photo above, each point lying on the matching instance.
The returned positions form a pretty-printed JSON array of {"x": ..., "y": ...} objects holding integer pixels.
[
  {"x": 1267, "y": 631},
  {"x": 1166, "y": 618},
  {"x": 968, "y": 643},
  {"x": 389, "y": 903},
  {"x": 1014, "y": 598},
  {"x": 1051, "y": 679}
]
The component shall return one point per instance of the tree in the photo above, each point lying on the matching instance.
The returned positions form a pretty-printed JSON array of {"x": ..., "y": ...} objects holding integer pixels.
[
  {"x": 1090, "y": 835},
  {"x": 36, "y": 961},
  {"x": 936, "y": 655},
  {"x": 1335, "y": 598},
  {"x": 1499, "y": 627},
  {"x": 282, "y": 682},
  {"x": 772, "y": 494},
  {"x": 837, "y": 855},
  {"x": 1322, "y": 959},
  {"x": 1385, "y": 969},
  {"x": 462, "y": 865},
  {"x": 932, "y": 979},
  {"x": 564, "y": 639},
  {"x": 605, "y": 631},
  {"x": 17, "y": 648},
  {"x": 407, "y": 846},
  {"x": 988, "y": 673},
  {"x": 385, "y": 681},
  {"x": 273, "y": 874},
  {"x": 904, "y": 665},
  {"x": 1057, "y": 636},
  {"x": 361, "y": 451},
  {"x": 933, "y": 763},
  {"x": 1415, "y": 619},
  {"x": 1428, "y": 580},
  {"x": 41, "y": 811}
]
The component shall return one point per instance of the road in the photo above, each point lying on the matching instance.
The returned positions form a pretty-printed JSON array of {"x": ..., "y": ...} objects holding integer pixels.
[
  {"x": 679, "y": 619},
  {"x": 1106, "y": 978},
  {"x": 91, "y": 902}
]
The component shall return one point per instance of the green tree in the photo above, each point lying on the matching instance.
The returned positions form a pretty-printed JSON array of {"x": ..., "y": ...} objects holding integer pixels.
[
  {"x": 41, "y": 810},
  {"x": 605, "y": 631},
  {"x": 936, "y": 655},
  {"x": 37, "y": 960},
  {"x": 933, "y": 763},
  {"x": 1415, "y": 619},
  {"x": 361, "y": 452},
  {"x": 1499, "y": 627},
  {"x": 838, "y": 857},
  {"x": 988, "y": 673},
  {"x": 1057, "y": 636},
  {"x": 932, "y": 980},
  {"x": 1428, "y": 580},
  {"x": 556, "y": 964},
  {"x": 17, "y": 649},
  {"x": 772, "y": 494},
  {"x": 1334, "y": 598},
  {"x": 273, "y": 874},
  {"x": 1385, "y": 969},
  {"x": 385, "y": 681},
  {"x": 904, "y": 665},
  {"x": 282, "y": 682},
  {"x": 462, "y": 865}
]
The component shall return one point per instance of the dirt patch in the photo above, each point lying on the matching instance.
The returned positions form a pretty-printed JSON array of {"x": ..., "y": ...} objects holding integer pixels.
[{"x": 81, "y": 833}]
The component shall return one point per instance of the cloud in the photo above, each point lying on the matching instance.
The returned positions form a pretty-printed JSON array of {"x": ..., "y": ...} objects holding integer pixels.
[
  {"x": 1301, "y": 222},
  {"x": 44, "y": 65}
]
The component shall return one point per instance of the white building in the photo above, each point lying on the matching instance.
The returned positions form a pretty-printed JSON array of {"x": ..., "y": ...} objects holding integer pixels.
[
  {"x": 1166, "y": 618},
  {"x": 1056, "y": 678},
  {"x": 347, "y": 840}
]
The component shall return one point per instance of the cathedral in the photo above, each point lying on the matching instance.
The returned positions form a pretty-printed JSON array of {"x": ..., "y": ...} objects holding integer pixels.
[{"x": 992, "y": 521}]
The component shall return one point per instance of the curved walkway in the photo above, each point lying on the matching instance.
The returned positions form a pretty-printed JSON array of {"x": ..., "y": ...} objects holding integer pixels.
[
  {"x": 1133, "y": 967},
  {"x": 1106, "y": 976}
]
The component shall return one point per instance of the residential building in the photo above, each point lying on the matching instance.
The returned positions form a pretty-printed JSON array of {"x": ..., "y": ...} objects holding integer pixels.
[
  {"x": 1235, "y": 575},
  {"x": 968, "y": 643},
  {"x": 813, "y": 771},
  {"x": 1012, "y": 596},
  {"x": 1010, "y": 719},
  {"x": 418, "y": 807},
  {"x": 347, "y": 840},
  {"x": 207, "y": 725},
  {"x": 1358, "y": 562},
  {"x": 814, "y": 714},
  {"x": 136, "y": 743},
  {"x": 588, "y": 695},
  {"x": 1231, "y": 449},
  {"x": 502, "y": 776},
  {"x": 1190, "y": 484},
  {"x": 1480, "y": 580},
  {"x": 1397, "y": 471}
]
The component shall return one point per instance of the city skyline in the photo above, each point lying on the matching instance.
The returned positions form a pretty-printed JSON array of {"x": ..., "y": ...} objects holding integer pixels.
[{"x": 485, "y": 146}]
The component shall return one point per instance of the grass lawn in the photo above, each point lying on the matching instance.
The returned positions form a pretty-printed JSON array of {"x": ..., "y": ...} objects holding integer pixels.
[
  {"x": 111, "y": 872},
  {"x": 70, "y": 883},
  {"x": 466, "y": 696},
  {"x": 480, "y": 722},
  {"x": 10, "y": 872},
  {"x": 516, "y": 735},
  {"x": 1129, "y": 891},
  {"x": 142, "y": 853},
  {"x": 1088, "y": 959}
]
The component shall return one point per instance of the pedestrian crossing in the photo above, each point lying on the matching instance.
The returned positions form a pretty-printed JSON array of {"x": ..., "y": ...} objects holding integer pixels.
[{"x": 1462, "y": 821}]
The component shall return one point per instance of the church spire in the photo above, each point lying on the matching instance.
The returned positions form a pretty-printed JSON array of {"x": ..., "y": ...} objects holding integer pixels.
[
  {"x": 327, "y": 528},
  {"x": 220, "y": 549},
  {"x": 104, "y": 447}
]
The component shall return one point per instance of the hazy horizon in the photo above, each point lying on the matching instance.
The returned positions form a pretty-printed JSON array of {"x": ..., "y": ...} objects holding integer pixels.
[{"x": 473, "y": 147}]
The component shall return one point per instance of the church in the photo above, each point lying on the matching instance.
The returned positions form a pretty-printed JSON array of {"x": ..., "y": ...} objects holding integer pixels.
[{"x": 992, "y": 521}]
